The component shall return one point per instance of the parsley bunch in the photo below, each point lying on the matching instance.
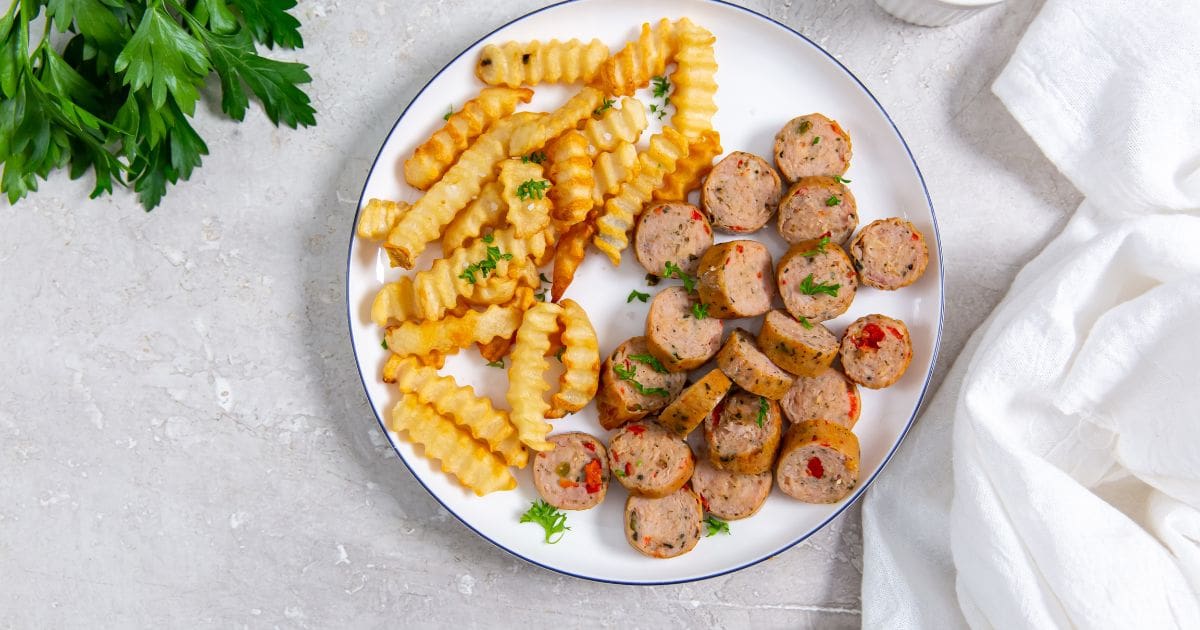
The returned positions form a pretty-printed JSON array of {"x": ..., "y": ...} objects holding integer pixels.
[{"x": 117, "y": 97}]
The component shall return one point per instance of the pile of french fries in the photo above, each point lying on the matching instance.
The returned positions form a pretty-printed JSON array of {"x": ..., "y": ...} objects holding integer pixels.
[{"x": 506, "y": 192}]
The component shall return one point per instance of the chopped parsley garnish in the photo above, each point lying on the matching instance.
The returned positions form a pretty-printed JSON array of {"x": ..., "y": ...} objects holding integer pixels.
[
  {"x": 763, "y": 407},
  {"x": 540, "y": 296},
  {"x": 819, "y": 249},
  {"x": 804, "y": 322},
  {"x": 833, "y": 201},
  {"x": 649, "y": 359},
  {"x": 496, "y": 364},
  {"x": 542, "y": 277},
  {"x": 804, "y": 126},
  {"x": 488, "y": 238},
  {"x": 715, "y": 526},
  {"x": 626, "y": 374},
  {"x": 532, "y": 189},
  {"x": 548, "y": 516},
  {"x": 383, "y": 344},
  {"x": 671, "y": 270},
  {"x": 700, "y": 311},
  {"x": 558, "y": 355},
  {"x": 841, "y": 179},
  {"x": 449, "y": 113},
  {"x": 605, "y": 106},
  {"x": 816, "y": 140},
  {"x": 661, "y": 86},
  {"x": 537, "y": 157},
  {"x": 618, "y": 472},
  {"x": 637, "y": 295},
  {"x": 808, "y": 287},
  {"x": 485, "y": 266}
]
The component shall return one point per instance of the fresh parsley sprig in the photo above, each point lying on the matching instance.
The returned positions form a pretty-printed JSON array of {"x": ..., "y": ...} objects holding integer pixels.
[
  {"x": 604, "y": 106},
  {"x": 819, "y": 249},
  {"x": 699, "y": 310},
  {"x": 548, "y": 516},
  {"x": 627, "y": 373},
  {"x": 671, "y": 270},
  {"x": 808, "y": 287},
  {"x": 763, "y": 408},
  {"x": 532, "y": 189},
  {"x": 486, "y": 266},
  {"x": 715, "y": 526},
  {"x": 804, "y": 322},
  {"x": 637, "y": 295},
  {"x": 651, "y": 360},
  {"x": 117, "y": 95}
]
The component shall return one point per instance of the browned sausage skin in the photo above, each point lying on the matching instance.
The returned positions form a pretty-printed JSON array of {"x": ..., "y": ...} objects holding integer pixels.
[
  {"x": 741, "y": 193},
  {"x": 812, "y": 145},
  {"x": 631, "y": 385},
  {"x": 743, "y": 433},
  {"x": 745, "y": 364},
  {"x": 818, "y": 462},
  {"x": 735, "y": 279},
  {"x": 671, "y": 232},
  {"x": 802, "y": 348},
  {"x": 664, "y": 527},
  {"x": 695, "y": 403},
  {"x": 574, "y": 475}
]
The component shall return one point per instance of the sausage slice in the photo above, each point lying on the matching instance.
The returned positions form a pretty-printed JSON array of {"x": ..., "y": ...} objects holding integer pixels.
[
  {"x": 695, "y": 403},
  {"x": 876, "y": 350},
  {"x": 889, "y": 254},
  {"x": 650, "y": 461},
  {"x": 573, "y": 476},
  {"x": 802, "y": 348},
  {"x": 631, "y": 386},
  {"x": 743, "y": 434},
  {"x": 676, "y": 336},
  {"x": 829, "y": 395},
  {"x": 735, "y": 279},
  {"x": 730, "y": 495},
  {"x": 742, "y": 361},
  {"x": 664, "y": 527},
  {"x": 818, "y": 206},
  {"x": 671, "y": 232},
  {"x": 812, "y": 145},
  {"x": 816, "y": 280},
  {"x": 741, "y": 193},
  {"x": 818, "y": 462}
]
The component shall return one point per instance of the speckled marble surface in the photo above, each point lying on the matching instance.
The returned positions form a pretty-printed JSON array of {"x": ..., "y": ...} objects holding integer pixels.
[{"x": 183, "y": 437}]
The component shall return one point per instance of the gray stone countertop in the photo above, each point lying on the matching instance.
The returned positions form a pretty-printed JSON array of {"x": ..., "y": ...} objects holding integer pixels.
[{"x": 183, "y": 437}]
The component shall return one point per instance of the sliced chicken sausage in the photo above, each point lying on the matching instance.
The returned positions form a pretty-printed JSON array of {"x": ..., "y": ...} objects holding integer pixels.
[
  {"x": 803, "y": 348},
  {"x": 818, "y": 462},
  {"x": 741, "y": 193},
  {"x": 743, "y": 433},
  {"x": 829, "y": 395},
  {"x": 665, "y": 527},
  {"x": 695, "y": 403},
  {"x": 812, "y": 145},
  {"x": 818, "y": 206},
  {"x": 889, "y": 254},
  {"x": 574, "y": 475},
  {"x": 735, "y": 279},
  {"x": 730, "y": 495},
  {"x": 876, "y": 350},
  {"x": 631, "y": 386},
  {"x": 671, "y": 232},
  {"x": 648, "y": 460},
  {"x": 678, "y": 333},
  {"x": 816, "y": 280},
  {"x": 745, "y": 364}
]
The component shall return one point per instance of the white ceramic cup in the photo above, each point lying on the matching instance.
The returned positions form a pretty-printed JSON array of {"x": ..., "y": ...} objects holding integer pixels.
[{"x": 934, "y": 12}]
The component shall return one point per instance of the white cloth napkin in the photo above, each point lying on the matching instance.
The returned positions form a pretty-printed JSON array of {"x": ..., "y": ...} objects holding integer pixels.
[{"x": 1054, "y": 480}]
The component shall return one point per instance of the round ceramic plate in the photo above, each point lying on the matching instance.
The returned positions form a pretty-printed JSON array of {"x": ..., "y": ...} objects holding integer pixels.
[{"x": 768, "y": 74}]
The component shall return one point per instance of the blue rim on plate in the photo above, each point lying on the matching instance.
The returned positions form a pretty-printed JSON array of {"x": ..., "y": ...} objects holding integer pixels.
[{"x": 937, "y": 344}]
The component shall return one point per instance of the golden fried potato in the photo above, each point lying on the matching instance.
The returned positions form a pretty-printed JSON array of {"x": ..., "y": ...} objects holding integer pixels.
[
  {"x": 487, "y": 210},
  {"x": 639, "y": 61},
  {"x": 690, "y": 169},
  {"x": 378, "y": 218},
  {"x": 568, "y": 255},
  {"x": 695, "y": 92},
  {"x": 580, "y": 359},
  {"x": 496, "y": 349},
  {"x": 617, "y": 126},
  {"x": 396, "y": 302},
  {"x": 571, "y": 176},
  {"x": 530, "y": 63},
  {"x": 460, "y": 404},
  {"x": 665, "y": 150},
  {"x": 465, "y": 272},
  {"x": 444, "y": 335},
  {"x": 524, "y": 188},
  {"x": 430, "y": 160},
  {"x": 611, "y": 170},
  {"x": 527, "y": 375},
  {"x": 472, "y": 464},
  {"x": 534, "y": 134}
]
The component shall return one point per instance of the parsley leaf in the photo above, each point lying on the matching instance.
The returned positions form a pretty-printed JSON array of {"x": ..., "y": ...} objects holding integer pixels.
[
  {"x": 662, "y": 85},
  {"x": 484, "y": 267},
  {"x": 488, "y": 238},
  {"x": 637, "y": 295},
  {"x": 537, "y": 157},
  {"x": 651, "y": 360},
  {"x": 558, "y": 355},
  {"x": 816, "y": 140},
  {"x": 808, "y": 287},
  {"x": 449, "y": 113},
  {"x": 383, "y": 344},
  {"x": 715, "y": 526},
  {"x": 841, "y": 179},
  {"x": 833, "y": 201},
  {"x": 819, "y": 249},
  {"x": 700, "y": 311},
  {"x": 270, "y": 23},
  {"x": 496, "y": 364},
  {"x": 548, "y": 516},
  {"x": 804, "y": 322},
  {"x": 671, "y": 270},
  {"x": 626, "y": 374},
  {"x": 162, "y": 56},
  {"x": 605, "y": 106},
  {"x": 532, "y": 189},
  {"x": 273, "y": 82},
  {"x": 763, "y": 407}
]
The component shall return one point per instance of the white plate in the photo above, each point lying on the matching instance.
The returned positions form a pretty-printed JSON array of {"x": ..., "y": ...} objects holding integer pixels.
[{"x": 768, "y": 74}]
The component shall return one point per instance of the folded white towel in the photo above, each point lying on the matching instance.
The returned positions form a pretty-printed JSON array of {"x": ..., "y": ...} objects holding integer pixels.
[{"x": 1055, "y": 478}]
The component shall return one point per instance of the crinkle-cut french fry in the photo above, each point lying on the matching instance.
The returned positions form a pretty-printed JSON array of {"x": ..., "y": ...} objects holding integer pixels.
[
  {"x": 449, "y": 333},
  {"x": 524, "y": 188},
  {"x": 534, "y": 134},
  {"x": 617, "y": 126},
  {"x": 440, "y": 287},
  {"x": 695, "y": 92},
  {"x": 568, "y": 255},
  {"x": 378, "y": 218},
  {"x": 391, "y": 367},
  {"x": 495, "y": 290},
  {"x": 460, "y": 403},
  {"x": 430, "y": 160},
  {"x": 530, "y": 63},
  {"x": 665, "y": 150},
  {"x": 527, "y": 375},
  {"x": 469, "y": 461},
  {"x": 487, "y": 210},
  {"x": 690, "y": 169},
  {"x": 496, "y": 349},
  {"x": 425, "y": 221},
  {"x": 396, "y": 302},
  {"x": 611, "y": 170},
  {"x": 580, "y": 359},
  {"x": 640, "y": 60},
  {"x": 571, "y": 176}
]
